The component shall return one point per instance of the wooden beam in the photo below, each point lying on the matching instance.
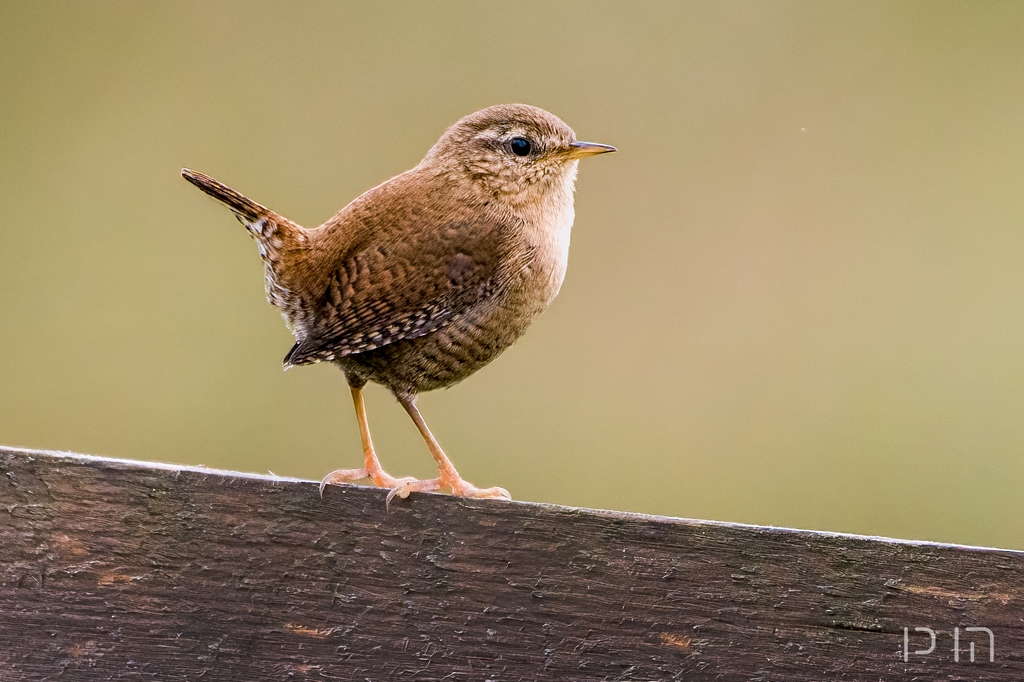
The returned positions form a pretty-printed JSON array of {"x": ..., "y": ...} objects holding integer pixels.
[{"x": 119, "y": 570}]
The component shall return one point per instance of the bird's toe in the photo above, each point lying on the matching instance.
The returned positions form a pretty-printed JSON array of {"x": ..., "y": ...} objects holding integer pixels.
[
  {"x": 406, "y": 486},
  {"x": 464, "y": 488},
  {"x": 342, "y": 476}
]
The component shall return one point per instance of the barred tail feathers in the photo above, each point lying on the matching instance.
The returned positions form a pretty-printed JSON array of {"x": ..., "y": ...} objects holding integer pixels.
[
  {"x": 274, "y": 234},
  {"x": 280, "y": 242},
  {"x": 242, "y": 205}
]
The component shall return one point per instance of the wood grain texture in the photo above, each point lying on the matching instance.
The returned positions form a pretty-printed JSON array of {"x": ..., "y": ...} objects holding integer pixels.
[{"x": 129, "y": 571}]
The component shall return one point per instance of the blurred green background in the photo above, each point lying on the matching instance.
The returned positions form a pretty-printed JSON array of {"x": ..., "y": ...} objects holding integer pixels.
[{"x": 795, "y": 295}]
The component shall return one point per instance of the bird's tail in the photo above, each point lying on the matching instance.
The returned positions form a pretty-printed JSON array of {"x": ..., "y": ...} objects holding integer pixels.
[
  {"x": 279, "y": 239},
  {"x": 282, "y": 246},
  {"x": 246, "y": 209}
]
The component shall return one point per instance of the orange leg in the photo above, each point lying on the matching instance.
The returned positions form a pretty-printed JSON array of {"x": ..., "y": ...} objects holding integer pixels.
[
  {"x": 372, "y": 470},
  {"x": 449, "y": 478}
]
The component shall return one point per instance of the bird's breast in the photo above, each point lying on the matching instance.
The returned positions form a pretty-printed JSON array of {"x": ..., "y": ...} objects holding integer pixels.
[{"x": 547, "y": 237}]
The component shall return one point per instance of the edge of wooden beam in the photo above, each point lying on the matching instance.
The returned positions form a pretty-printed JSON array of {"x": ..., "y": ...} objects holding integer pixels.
[{"x": 270, "y": 477}]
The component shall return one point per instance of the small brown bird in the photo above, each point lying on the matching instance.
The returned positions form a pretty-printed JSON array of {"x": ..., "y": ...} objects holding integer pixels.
[{"x": 429, "y": 276}]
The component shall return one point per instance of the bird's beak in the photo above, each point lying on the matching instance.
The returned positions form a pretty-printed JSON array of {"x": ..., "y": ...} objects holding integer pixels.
[{"x": 577, "y": 150}]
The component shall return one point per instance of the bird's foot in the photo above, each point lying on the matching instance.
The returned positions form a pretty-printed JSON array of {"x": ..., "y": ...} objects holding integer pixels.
[
  {"x": 380, "y": 478},
  {"x": 456, "y": 485}
]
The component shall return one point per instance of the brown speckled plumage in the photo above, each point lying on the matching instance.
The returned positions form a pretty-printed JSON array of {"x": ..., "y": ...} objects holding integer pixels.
[{"x": 429, "y": 276}]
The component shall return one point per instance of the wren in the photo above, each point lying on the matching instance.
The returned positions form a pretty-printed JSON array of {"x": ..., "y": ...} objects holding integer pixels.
[{"x": 426, "y": 278}]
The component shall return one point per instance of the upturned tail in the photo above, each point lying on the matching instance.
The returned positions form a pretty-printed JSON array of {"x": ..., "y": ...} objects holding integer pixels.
[
  {"x": 245, "y": 208},
  {"x": 281, "y": 243}
]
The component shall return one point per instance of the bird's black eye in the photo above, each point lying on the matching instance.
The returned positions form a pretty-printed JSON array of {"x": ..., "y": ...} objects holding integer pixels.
[{"x": 520, "y": 146}]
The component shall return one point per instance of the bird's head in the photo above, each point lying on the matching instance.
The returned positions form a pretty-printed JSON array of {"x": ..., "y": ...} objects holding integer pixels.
[{"x": 514, "y": 154}]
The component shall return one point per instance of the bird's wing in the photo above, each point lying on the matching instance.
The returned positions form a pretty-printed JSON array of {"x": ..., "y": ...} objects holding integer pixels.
[{"x": 383, "y": 291}]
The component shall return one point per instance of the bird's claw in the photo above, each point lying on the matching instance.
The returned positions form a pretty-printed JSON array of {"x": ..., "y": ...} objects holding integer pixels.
[
  {"x": 466, "y": 489},
  {"x": 457, "y": 486},
  {"x": 342, "y": 476},
  {"x": 380, "y": 478},
  {"x": 402, "y": 487}
]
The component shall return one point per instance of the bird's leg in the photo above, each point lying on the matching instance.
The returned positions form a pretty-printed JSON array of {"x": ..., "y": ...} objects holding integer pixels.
[
  {"x": 449, "y": 478},
  {"x": 372, "y": 470}
]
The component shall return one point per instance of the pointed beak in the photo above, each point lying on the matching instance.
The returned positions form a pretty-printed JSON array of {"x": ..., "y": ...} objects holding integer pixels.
[{"x": 577, "y": 150}]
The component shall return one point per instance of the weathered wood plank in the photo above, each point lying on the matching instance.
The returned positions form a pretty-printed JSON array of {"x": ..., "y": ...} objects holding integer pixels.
[{"x": 128, "y": 571}]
